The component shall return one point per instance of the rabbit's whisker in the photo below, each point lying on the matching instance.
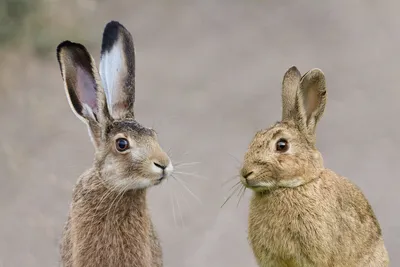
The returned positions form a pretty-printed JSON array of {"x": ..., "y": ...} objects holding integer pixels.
[
  {"x": 235, "y": 188},
  {"x": 230, "y": 179},
  {"x": 243, "y": 190},
  {"x": 237, "y": 160}
]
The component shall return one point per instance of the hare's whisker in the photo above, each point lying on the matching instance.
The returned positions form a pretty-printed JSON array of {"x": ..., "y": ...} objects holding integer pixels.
[
  {"x": 173, "y": 206},
  {"x": 107, "y": 193},
  {"x": 179, "y": 210},
  {"x": 116, "y": 200},
  {"x": 191, "y": 174},
  {"x": 187, "y": 188},
  {"x": 183, "y": 164}
]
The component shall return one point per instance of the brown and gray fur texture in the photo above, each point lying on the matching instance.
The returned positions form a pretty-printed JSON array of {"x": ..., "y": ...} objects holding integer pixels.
[
  {"x": 109, "y": 223},
  {"x": 302, "y": 214}
]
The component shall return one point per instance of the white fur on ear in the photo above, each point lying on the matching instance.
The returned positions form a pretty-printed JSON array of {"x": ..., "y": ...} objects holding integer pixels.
[{"x": 112, "y": 73}]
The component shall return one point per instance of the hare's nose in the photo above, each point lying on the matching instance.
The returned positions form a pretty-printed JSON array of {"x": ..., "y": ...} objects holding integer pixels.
[{"x": 162, "y": 167}]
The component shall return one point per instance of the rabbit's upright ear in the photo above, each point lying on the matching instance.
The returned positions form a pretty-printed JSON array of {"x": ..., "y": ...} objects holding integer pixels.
[
  {"x": 311, "y": 100},
  {"x": 117, "y": 70},
  {"x": 81, "y": 84},
  {"x": 290, "y": 83}
]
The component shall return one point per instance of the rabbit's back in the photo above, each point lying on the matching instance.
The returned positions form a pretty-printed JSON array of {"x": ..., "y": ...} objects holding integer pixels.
[{"x": 327, "y": 222}]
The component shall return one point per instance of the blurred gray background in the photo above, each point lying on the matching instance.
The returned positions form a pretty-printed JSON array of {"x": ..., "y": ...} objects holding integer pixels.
[{"x": 208, "y": 77}]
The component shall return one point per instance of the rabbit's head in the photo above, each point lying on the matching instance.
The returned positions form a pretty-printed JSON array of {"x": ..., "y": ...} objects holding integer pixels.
[
  {"x": 285, "y": 155},
  {"x": 128, "y": 154}
]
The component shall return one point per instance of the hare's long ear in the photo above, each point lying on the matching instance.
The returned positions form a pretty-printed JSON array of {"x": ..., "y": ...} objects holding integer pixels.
[
  {"x": 290, "y": 83},
  {"x": 311, "y": 100},
  {"x": 81, "y": 84},
  {"x": 117, "y": 70}
]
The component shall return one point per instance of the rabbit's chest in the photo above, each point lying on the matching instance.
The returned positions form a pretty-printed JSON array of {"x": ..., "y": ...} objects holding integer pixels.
[{"x": 289, "y": 232}]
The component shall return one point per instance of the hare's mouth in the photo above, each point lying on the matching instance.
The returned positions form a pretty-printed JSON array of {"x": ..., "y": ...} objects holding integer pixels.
[{"x": 159, "y": 180}]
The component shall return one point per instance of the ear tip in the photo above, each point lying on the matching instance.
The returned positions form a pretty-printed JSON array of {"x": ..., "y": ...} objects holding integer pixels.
[
  {"x": 294, "y": 69},
  {"x": 293, "y": 72},
  {"x": 317, "y": 72},
  {"x": 111, "y": 33},
  {"x": 63, "y": 44},
  {"x": 68, "y": 45}
]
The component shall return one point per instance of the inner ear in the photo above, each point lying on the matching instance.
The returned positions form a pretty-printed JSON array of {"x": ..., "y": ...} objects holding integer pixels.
[
  {"x": 311, "y": 99},
  {"x": 88, "y": 96}
]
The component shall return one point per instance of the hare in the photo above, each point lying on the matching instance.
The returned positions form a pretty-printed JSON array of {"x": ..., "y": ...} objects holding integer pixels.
[
  {"x": 109, "y": 222},
  {"x": 302, "y": 214}
]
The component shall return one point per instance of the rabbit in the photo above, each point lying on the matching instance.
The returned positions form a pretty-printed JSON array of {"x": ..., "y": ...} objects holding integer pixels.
[
  {"x": 109, "y": 223},
  {"x": 302, "y": 214}
]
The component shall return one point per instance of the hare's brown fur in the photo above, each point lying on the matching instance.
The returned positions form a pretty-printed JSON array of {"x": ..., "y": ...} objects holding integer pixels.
[
  {"x": 109, "y": 223},
  {"x": 98, "y": 234},
  {"x": 301, "y": 214}
]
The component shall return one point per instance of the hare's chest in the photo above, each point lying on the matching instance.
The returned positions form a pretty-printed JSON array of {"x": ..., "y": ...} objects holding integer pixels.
[
  {"x": 106, "y": 244},
  {"x": 288, "y": 234}
]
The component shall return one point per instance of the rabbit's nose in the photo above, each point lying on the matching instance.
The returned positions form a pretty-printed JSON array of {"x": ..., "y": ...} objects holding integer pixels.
[{"x": 247, "y": 175}]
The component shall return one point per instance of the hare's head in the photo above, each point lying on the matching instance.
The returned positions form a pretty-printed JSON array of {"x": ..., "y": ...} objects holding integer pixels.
[
  {"x": 128, "y": 154},
  {"x": 285, "y": 155}
]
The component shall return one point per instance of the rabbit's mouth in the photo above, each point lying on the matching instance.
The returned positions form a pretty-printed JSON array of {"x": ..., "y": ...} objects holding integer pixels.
[{"x": 259, "y": 185}]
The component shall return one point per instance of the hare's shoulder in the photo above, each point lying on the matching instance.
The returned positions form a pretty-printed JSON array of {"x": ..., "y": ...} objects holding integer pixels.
[{"x": 88, "y": 183}]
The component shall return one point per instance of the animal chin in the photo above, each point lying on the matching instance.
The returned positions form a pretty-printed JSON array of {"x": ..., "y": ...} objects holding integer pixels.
[
  {"x": 290, "y": 183},
  {"x": 159, "y": 180},
  {"x": 262, "y": 186}
]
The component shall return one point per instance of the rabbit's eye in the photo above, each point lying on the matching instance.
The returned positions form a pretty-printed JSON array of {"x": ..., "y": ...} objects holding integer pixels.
[
  {"x": 122, "y": 144},
  {"x": 282, "y": 145}
]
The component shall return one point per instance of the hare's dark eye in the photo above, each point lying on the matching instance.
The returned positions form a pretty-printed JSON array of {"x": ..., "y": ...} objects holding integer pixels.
[
  {"x": 282, "y": 145},
  {"x": 122, "y": 144}
]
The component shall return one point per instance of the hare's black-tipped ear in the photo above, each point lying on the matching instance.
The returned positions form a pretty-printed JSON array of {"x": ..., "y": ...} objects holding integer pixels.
[
  {"x": 311, "y": 100},
  {"x": 117, "y": 70},
  {"x": 81, "y": 84},
  {"x": 290, "y": 84}
]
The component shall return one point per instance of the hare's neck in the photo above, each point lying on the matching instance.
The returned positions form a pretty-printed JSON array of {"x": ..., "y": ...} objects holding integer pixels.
[
  {"x": 111, "y": 204},
  {"x": 126, "y": 205},
  {"x": 114, "y": 227}
]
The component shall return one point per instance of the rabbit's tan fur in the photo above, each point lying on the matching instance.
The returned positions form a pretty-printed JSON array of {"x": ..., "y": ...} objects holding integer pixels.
[
  {"x": 301, "y": 214},
  {"x": 109, "y": 223}
]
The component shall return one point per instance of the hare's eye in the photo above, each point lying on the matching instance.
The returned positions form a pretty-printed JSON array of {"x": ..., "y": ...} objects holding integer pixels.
[
  {"x": 282, "y": 145},
  {"x": 122, "y": 144}
]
